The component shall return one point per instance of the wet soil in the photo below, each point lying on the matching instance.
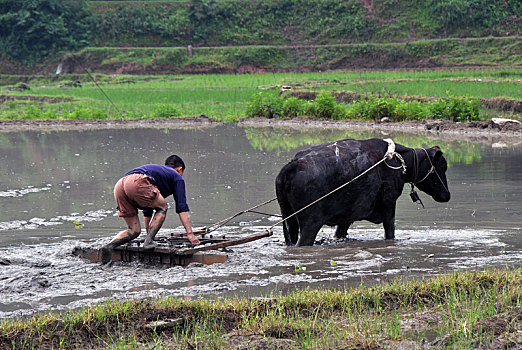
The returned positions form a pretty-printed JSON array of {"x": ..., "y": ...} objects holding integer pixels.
[
  {"x": 47, "y": 191},
  {"x": 4, "y": 98},
  {"x": 91, "y": 124},
  {"x": 439, "y": 126}
]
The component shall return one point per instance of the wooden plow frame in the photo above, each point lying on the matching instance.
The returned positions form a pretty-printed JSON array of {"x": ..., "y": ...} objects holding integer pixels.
[{"x": 175, "y": 250}]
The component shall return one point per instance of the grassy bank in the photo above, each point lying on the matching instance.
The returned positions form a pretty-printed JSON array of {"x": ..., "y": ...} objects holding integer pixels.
[
  {"x": 478, "y": 52},
  {"x": 461, "y": 310},
  {"x": 490, "y": 52},
  {"x": 227, "y": 96}
]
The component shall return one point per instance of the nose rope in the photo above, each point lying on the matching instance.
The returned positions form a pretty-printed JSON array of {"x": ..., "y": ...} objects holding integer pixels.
[{"x": 432, "y": 170}]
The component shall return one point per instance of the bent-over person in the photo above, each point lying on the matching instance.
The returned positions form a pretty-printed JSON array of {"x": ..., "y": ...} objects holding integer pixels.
[{"x": 146, "y": 188}]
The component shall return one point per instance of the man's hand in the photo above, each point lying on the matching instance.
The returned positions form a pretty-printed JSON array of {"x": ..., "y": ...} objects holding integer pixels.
[
  {"x": 192, "y": 238},
  {"x": 185, "y": 220}
]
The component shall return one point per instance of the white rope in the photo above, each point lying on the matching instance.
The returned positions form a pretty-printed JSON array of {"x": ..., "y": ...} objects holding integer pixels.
[
  {"x": 390, "y": 153},
  {"x": 224, "y": 221},
  {"x": 432, "y": 170}
]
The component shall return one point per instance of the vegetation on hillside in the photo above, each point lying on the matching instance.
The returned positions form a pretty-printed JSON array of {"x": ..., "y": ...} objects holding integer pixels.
[
  {"x": 490, "y": 52},
  {"x": 287, "y": 22},
  {"x": 32, "y": 30}
]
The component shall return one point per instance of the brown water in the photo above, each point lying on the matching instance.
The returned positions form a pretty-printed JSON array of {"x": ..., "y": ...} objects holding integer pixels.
[{"x": 53, "y": 180}]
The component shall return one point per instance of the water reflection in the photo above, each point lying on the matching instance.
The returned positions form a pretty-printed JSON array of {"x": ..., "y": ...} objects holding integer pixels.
[
  {"x": 53, "y": 180},
  {"x": 280, "y": 140}
]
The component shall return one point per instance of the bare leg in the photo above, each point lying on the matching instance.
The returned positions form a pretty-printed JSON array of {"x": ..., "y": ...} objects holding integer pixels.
[
  {"x": 155, "y": 224},
  {"x": 133, "y": 230},
  {"x": 147, "y": 223}
]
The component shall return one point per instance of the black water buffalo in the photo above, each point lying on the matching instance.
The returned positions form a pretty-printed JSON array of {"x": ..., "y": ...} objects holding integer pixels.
[{"x": 320, "y": 169}]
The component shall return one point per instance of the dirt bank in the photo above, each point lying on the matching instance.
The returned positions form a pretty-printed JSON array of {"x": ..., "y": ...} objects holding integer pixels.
[
  {"x": 189, "y": 122},
  {"x": 489, "y": 127}
]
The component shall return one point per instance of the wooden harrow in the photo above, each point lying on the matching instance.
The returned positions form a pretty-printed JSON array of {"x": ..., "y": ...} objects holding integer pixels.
[{"x": 174, "y": 250}]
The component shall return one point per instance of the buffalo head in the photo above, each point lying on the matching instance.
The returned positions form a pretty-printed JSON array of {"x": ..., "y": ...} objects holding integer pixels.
[{"x": 430, "y": 173}]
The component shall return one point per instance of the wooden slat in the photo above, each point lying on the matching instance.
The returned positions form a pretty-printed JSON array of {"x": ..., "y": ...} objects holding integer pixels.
[
  {"x": 158, "y": 257},
  {"x": 188, "y": 251}
]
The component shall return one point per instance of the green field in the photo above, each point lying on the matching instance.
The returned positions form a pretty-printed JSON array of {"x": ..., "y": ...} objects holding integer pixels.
[{"x": 226, "y": 96}]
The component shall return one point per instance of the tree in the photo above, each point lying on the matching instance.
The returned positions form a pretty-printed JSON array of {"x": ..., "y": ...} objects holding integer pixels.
[{"x": 33, "y": 29}]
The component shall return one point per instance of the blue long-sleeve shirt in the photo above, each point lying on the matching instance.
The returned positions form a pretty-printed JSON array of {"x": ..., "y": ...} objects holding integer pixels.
[{"x": 168, "y": 181}]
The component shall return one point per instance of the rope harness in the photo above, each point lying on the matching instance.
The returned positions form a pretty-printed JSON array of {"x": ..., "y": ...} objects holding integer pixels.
[
  {"x": 225, "y": 221},
  {"x": 388, "y": 156}
]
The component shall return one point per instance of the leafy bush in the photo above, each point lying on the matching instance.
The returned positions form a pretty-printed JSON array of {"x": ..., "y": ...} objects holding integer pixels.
[
  {"x": 87, "y": 112},
  {"x": 265, "y": 106},
  {"x": 383, "y": 107},
  {"x": 166, "y": 111},
  {"x": 462, "y": 14},
  {"x": 324, "y": 106},
  {"x": 457, "y": 109},
  {"x": 31, "y": 29},
  {"x": 293, "y": 107},
  {"x": 412, "y": 110}
]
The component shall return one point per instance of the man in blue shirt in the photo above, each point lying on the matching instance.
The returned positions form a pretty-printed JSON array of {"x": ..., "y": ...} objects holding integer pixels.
[{"x": 146, "y": 188}]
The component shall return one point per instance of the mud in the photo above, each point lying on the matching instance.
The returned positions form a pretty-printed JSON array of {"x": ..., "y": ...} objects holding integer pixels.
[
  {"x": 446, "y": 127},
  {"x": 4, "y": 98},
  {"x": 465, "y": 129},
  {"x": 188, "y": 122}
]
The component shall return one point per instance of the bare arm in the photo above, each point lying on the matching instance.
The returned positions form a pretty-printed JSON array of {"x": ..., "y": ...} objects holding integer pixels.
[{"x": 184, "y": 217}]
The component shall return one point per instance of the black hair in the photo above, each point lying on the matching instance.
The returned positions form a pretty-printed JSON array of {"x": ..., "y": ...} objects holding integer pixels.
[{"x": 175, "y": 161}]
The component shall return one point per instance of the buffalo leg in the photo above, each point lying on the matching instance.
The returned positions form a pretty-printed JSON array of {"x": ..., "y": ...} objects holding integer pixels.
[
  {"x": 342, "y": 230},
  {"x": 388, "y": 222},
  {"x": 307, "y": 233},
  {"x": 291, "y": 231}
]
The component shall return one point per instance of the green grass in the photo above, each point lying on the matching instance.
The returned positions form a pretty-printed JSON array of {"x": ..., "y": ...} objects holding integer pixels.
[
  {"x": 463, "y": 310},
  {"x": 225, "y": 96}
]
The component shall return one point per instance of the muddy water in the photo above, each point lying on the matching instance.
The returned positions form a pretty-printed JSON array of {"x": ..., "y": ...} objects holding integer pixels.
[{"x": 56, "y": 193}]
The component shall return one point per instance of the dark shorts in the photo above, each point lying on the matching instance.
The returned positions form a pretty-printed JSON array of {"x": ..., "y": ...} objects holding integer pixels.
[{"x": 137, "y": 191}]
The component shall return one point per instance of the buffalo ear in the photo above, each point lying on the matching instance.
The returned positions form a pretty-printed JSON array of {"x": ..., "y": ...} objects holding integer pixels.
[{"x": 436, "y": 151}]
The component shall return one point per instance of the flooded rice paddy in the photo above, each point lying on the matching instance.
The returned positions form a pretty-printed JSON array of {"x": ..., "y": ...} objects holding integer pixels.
[{"x": 56, "y": 194}]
